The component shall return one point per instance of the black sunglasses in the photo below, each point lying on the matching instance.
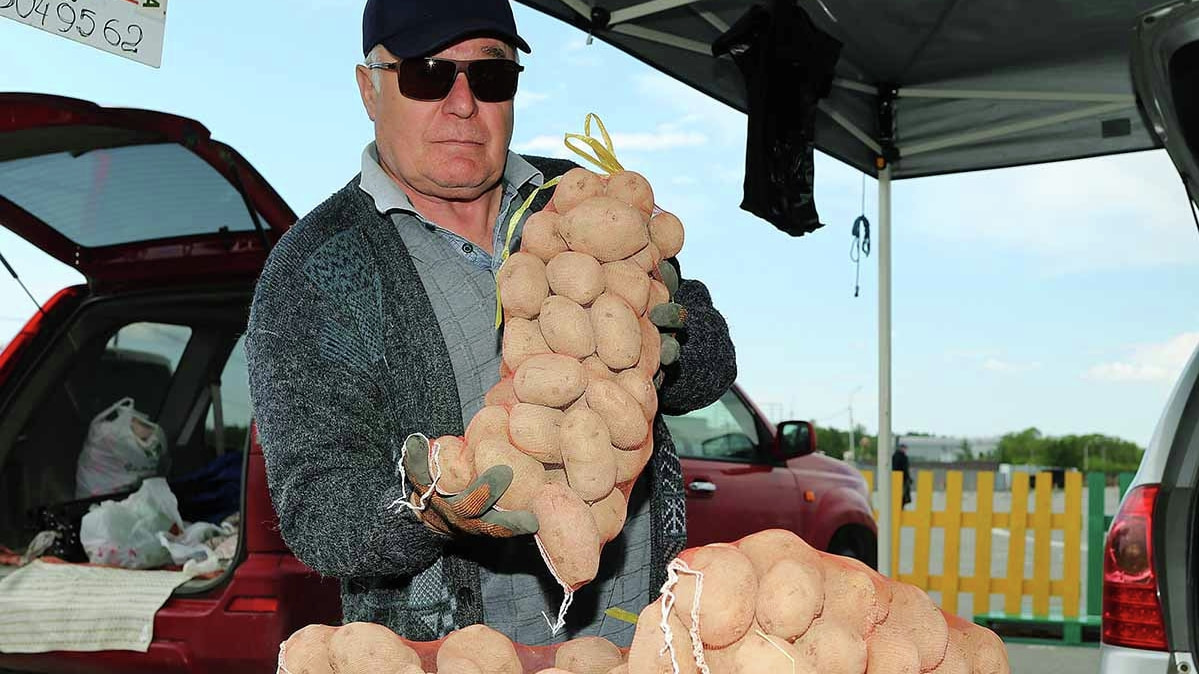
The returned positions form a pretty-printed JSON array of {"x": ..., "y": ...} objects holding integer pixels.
[{"x": 431, "y": 79}]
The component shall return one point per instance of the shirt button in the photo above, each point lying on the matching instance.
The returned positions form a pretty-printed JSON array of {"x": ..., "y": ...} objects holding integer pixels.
[
  {"x": 465, "y": 596},
  {"x": 467, "y": 248}
]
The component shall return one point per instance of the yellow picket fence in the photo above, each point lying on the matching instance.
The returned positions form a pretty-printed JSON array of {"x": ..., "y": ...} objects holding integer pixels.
[{"x": 1041, "y": 520}]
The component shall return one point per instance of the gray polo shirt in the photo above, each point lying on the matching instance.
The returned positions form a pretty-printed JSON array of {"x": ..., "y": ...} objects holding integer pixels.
[{"x": 460, "y": 281}]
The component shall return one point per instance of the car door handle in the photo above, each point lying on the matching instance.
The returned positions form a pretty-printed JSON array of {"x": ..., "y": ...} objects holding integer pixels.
[{"x": 702, "y": 487}]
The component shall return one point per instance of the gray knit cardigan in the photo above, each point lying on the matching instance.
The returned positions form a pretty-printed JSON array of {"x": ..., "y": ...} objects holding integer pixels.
[{"x": 346, "y": 359}]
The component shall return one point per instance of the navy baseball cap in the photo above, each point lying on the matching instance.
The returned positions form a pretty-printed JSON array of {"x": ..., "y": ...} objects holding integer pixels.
[{"x": 412, "y": 28}]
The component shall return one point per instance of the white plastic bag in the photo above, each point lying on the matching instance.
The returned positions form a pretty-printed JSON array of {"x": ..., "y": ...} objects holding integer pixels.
[
  {"x": 122, "y": 447},
  {"x": 190, "y": 544},
  {"x": 125, "y": 533}
]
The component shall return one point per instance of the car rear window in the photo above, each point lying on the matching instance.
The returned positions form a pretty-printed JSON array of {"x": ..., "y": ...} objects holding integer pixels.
[{"x": 122, "y": 195}]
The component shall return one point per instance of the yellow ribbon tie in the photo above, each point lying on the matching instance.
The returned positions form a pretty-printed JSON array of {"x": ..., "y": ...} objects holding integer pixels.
[{"x": 602, "y": 154}]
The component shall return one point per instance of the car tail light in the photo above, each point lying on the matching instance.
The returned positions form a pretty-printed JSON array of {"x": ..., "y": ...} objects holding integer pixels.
[
  {"x": 1132, "y": 613},
  {"x": 8, "y": 359}
]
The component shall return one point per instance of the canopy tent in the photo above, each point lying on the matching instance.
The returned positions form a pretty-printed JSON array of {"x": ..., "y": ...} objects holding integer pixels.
[{"x": 935, "y": 86}]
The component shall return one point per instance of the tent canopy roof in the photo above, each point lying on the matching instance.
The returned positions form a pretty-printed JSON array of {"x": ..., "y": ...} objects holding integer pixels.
[{"x": 978, "y": 84}]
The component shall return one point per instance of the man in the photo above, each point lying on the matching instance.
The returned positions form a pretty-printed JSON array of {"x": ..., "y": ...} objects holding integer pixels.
[
  {"x": 899, "y": 461},
  {"x": 373, "y": 320}
]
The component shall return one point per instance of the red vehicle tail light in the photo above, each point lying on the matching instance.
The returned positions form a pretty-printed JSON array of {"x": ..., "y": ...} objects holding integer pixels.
[{"x": 1132, "y": 613}]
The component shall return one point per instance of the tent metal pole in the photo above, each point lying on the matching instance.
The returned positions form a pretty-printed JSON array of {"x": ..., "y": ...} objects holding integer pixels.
[
  {"x": 647, "y": 8},
  {"x": 660, "y": 37},
  {"x": 1008, "y": 129},
  {"x": 883, "y": 460},
  {"x": 581, "y": 8},
  {"x": 996, "y": 95},
  {"x": 853, "y": 129}
]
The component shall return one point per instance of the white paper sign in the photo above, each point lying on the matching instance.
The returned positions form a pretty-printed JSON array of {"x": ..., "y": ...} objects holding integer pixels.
[{"x": 130, "y": 28}]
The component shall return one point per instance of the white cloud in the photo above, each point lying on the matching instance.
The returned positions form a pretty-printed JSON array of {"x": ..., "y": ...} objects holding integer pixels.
[
  {"x": 1160, "y": 362},
  {"x": 1127, "y": 211},
  {"x": 527, "y": 99},
  {"x": 697, "y": 109}
]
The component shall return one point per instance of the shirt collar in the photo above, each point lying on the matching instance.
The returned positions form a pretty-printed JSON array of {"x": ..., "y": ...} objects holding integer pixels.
[{"x": 388, "y": 196}]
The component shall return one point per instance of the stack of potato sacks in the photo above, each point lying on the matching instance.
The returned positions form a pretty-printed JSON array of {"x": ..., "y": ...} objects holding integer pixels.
[
  {"x": 767, "y": 604},
  {"x": 771, "y": 603},
  {"x": 573, "y": 412}
]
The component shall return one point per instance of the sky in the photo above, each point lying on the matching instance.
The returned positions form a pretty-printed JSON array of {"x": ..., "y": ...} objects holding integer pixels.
[{"x": 1057, "y": 296}]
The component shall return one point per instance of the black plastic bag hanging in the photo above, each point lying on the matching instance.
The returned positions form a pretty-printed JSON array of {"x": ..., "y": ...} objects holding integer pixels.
[{"x": 788, "y": 65}]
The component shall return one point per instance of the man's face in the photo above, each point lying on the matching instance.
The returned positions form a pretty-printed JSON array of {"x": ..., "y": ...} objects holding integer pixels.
[{"x": 452, "y": 149}]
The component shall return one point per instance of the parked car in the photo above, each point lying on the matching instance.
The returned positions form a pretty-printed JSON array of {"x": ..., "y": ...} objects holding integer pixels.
[
  {"x": 1151, "y": 556},
  {"x": 170, "y": 229}
]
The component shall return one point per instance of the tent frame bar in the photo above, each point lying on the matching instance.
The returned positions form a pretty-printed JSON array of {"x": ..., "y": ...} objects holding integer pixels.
[
  {"x": 955, "y": 140},
  {"x": 854, "y": 130},
  {"x": 660, "y": 37},
  {"x": 1044, "y": 96},
  {"x": 647, "y": 8}
]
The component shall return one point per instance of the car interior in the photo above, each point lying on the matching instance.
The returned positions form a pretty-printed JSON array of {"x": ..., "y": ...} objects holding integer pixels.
[{"x": 179, "y": 357}]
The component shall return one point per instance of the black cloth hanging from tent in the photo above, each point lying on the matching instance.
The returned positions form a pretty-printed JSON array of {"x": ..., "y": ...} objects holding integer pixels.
[{"x": 788, "y": 64}]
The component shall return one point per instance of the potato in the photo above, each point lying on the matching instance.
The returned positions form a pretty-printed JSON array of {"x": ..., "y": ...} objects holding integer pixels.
[
  {"x": 649, "y": 361},
  {"x": 566, "y": 327},
  {"x": 769, "y": 654},
  {"x": 886, "y": 653},
  {"x": 645, "y": 653},
  {"x": 834, "y": 647},
  {"x": 540, "y": 235},
  {"x": 726, "y": 607},
  {"x": 456, "y": 462},
  {"x": 610, "y": 513},
  {"x": 568, "y": 534},
  {"x": 596, "y": 369},
  {"x": 556, "y": 475},
  {"x": 666, "y": 231},
  {"x": 605, "y": 229},
  {"x": 633, "y": 189},
  {"x": 522, "y": 285},
  {"x": 502, "y": 394},
  {"x": 617, "y": 333},
  {"x": 588, "y": 455},
  {"x": 626, "y": 280},
  {"x": 647, "y": 258},
  {"x": 575, "y": 276},
  {"x": 576, "y": 186},
  {"x": 580, "y": 404},
  {"x": 915, "y": 618},
  {"x": 307, "y": 650},
  {"x": 768, "y": 547},
  {"x": 534, "y": 430},
  {"x": 989, "y": 653},
  {"x": 658, "y": 293},
  {"x": 851, "y": 596},
  {"x": 528, "y": 475},
  {"x": 552, "y": 380},
  {"x": 620, "y": 411},
  {"x": 452, "y": 665},
  {"x": 522, "y": 339},
  {"x": 364, "y": 648},
  {"x": 957, "y": 660},
  {"x": 637, "y": 384},
  {"x": 629, "y": 464},
  {"x": 620, "y": 669},
  {"x": 790, "y": 596},
  {"x": 491, "y": 421},
  {"x": 554, "y": 670},
  {"x": 488, "y": 649},
  {"x": 588, "y": 655}
]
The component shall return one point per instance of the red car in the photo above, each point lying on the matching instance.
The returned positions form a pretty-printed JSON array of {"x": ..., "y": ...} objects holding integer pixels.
[{"x": 170, "y": 229}]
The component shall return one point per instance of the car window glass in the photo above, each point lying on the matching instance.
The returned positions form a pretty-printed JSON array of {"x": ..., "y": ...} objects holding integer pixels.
[
  {"x": 234, "y": 403},
  {"x": 139, "y": 362},
  {"x": 723, "y": 430}
]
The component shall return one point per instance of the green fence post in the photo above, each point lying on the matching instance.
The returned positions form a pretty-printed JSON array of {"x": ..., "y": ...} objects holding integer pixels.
[{"x": 1096, "y": 530}]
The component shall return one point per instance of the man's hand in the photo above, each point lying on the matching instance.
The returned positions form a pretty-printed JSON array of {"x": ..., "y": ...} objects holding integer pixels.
[
  {"x": 469, "y": 511},
  {"x": 669, "y": 318}
]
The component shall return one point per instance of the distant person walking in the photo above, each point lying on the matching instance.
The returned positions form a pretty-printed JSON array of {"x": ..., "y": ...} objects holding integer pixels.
[{"x": 899, "y": 461}]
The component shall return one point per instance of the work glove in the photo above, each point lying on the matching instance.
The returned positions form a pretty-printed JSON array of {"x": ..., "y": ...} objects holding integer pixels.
[
  {"x": 469, "y": 511},
  {"x": 670, "y": 318}
]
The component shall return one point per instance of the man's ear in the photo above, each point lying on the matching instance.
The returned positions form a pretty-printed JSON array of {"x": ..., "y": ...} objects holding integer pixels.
[{"x": 370, "y": 97}]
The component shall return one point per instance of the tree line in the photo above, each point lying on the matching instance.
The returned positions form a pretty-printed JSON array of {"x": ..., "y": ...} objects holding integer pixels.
[{"x": 1087, "y": 452}]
